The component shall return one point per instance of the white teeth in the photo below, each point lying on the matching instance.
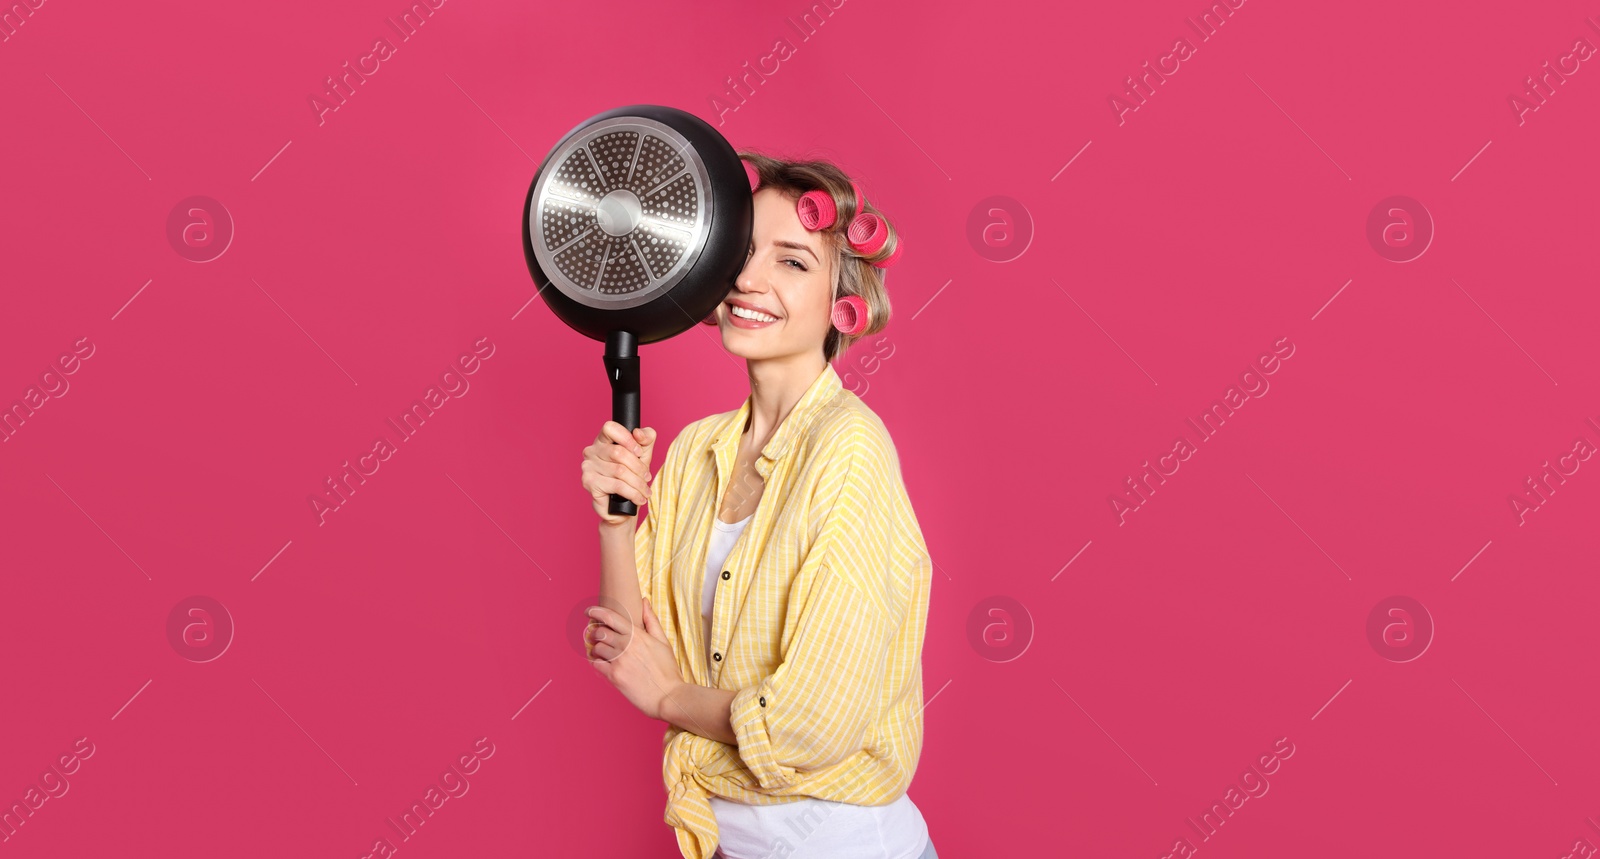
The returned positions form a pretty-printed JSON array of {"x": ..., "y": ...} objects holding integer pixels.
[{"x": 745, "y": 313}]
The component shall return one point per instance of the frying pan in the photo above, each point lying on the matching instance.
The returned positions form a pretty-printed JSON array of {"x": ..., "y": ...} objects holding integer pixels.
[{"x": 640, "y": 218}]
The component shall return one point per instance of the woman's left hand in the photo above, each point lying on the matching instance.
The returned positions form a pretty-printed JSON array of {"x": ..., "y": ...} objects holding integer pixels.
[{"x": 637, "y": 660}]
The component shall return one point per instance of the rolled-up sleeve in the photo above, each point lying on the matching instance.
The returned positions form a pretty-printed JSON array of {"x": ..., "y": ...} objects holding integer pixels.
[{"x": 815, "y": 709}]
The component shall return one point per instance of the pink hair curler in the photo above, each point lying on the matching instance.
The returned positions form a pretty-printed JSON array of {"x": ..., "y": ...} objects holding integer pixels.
[
  {"x": 867, "y": 233},
  {"x": 817, "y": 210},
  {"x": 861, "y": 199},
  {"x": 753, "y": 175},
  {"x": 894, "y": 256},
  {"x": 850, "y": 315}
]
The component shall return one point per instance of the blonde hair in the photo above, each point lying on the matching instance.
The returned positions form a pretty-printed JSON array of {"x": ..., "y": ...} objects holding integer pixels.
[{"x": 853, "y": 274}]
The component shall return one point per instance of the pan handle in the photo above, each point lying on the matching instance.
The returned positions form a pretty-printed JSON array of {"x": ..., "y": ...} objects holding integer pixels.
[{"x": 622, "y": 369}]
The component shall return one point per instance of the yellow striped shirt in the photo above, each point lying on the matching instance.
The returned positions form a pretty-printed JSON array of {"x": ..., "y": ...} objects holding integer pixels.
[{"x": 818, "y": 622}]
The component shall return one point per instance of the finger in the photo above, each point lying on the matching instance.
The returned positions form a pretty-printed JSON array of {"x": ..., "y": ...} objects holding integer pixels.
[
  {"x": 597, "y": 477},
  {"x": 651, "y": 625},
  {"x": 616, "y": 462},
  {"x": 609, "y": 434},
  {"x": 605, "y": 643},
  {"x": 613, "y": 486},
  {"x": 618, "y": 623},
  {"x": 618, "y": 434},
  {"x": 633, "y": 470},
  {"x": 630, "y": 461},
  {"x": 655, "y": 629},
  {"x": 606, "y": 651},
  {"x": 600, "y": 632},
  {"x": 646, "y": 437},
  {"x": 612, "y": 646}
]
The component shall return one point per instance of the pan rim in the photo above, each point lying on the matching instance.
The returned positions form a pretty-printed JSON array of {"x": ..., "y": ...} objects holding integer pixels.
[{"x": 542, "y": 193}]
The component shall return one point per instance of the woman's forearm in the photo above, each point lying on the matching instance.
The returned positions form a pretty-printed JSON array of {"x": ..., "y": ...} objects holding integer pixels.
[
  {"x": 701, "y": 710},
  {"x": 619, "y": 572}
]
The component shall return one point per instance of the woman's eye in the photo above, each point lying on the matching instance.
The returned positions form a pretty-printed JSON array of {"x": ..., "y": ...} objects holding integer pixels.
[{"x": 798, "y": 264}]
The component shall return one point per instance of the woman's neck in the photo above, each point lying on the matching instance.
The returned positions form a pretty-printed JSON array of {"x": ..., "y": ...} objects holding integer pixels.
[{"x": 776, "y": 385}]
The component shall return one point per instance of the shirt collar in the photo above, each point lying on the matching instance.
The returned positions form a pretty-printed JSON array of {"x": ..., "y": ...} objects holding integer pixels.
[{"x": 725, "y": 441}]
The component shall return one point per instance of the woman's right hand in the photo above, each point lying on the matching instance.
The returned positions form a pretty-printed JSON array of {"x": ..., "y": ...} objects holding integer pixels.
[{"x": 618, "y": 463}]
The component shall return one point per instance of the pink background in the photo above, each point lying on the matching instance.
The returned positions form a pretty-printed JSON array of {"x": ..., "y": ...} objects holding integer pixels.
[{"x": 1230, "y": 610}]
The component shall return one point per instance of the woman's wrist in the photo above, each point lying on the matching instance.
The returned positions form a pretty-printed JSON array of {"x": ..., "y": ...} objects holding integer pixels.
[
  {"x": 618, "y": 529},
  {"x": 667, "y": 709},
  {"x": 705, "y": 711}
]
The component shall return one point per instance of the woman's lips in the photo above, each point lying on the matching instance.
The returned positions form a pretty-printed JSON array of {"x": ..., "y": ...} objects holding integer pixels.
[{"x": 740, "y": 322}]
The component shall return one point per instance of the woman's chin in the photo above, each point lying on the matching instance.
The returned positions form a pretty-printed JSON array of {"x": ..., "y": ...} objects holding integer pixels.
[{"x": 740, "y": 347}]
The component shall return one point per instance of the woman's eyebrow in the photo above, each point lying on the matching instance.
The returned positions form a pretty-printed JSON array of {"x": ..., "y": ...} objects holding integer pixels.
[{"x": 797, "y": 246}]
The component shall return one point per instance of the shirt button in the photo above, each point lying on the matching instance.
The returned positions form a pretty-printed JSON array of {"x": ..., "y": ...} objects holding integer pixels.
[
  {"x": 763, "y": 702},
  {"x": 726, "y": 574},
  {"x": 717, "y": 656}
]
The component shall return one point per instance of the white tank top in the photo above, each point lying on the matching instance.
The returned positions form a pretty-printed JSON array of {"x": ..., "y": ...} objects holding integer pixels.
[{"x": 810, "y": 828}]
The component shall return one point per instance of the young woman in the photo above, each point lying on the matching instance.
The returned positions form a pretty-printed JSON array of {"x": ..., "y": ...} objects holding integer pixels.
[{"x": 771, "y": 606}]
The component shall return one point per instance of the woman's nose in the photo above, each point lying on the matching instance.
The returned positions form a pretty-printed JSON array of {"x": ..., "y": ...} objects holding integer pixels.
[{"x": 747, "y": 278}]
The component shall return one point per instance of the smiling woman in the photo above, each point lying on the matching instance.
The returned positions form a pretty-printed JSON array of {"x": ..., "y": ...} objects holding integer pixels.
[
  {"x": 821, "y": 229},
  {"x": 781, "y": 578}
]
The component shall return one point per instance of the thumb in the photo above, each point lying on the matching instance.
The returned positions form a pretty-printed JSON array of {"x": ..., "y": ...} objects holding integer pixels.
[
  {"x": 645, "y": 436},
  {"x": 651, "y": 624}
]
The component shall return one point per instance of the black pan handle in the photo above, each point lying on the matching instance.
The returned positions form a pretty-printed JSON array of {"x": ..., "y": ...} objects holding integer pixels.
[{"x": 622, "y": 368}]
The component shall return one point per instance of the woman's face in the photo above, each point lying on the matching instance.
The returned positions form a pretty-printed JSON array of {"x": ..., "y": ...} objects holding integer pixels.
[{"x": 787, "y": 274}]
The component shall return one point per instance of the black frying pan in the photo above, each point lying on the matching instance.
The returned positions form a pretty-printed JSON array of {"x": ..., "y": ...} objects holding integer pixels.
[{"x": 640, "y": 218}]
